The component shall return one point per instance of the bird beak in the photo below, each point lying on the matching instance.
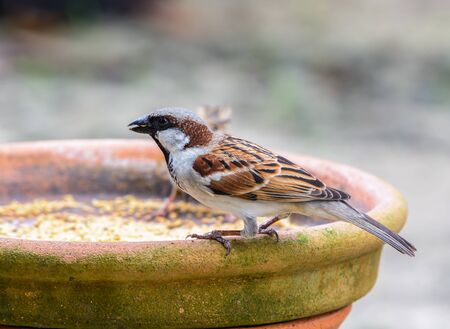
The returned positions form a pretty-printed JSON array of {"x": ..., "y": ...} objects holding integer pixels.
[{"x": 141, "y": 126}]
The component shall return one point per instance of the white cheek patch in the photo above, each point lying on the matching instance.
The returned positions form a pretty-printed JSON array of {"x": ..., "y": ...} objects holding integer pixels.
[{"x": 172, "y": 139}]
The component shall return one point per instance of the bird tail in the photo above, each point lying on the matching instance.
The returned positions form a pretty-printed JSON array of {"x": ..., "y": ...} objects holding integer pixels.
[{"x": 343, "y": 211}]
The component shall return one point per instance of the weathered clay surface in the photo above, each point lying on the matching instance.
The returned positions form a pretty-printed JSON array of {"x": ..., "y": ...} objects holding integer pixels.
[
  {"x": 176, "y": 284},
  {"x": 329, "y": 320}
]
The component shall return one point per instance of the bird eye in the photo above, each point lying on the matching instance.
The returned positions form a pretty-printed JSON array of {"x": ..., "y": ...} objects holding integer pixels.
[{"x": 163, "y": 123}]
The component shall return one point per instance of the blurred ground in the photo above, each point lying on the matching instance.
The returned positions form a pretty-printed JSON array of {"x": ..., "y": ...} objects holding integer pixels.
[{"x": 361, "y": 82}]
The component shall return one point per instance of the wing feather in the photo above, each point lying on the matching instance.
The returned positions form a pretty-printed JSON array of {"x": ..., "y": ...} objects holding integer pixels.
[{"x": 245, "y": 170}]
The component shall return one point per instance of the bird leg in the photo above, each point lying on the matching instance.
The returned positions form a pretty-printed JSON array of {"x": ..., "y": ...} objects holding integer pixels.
[
  {"x": 273, "y": 220},
  {"x": 269, "y": 222},
  {"x": 264, "y": 227},
  {"x": 217, "y": 235},
  {"x": 164, "y": 209}
]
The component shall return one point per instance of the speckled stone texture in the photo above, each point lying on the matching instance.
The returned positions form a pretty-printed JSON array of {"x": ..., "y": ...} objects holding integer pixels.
[{"x": 177, "y": 284}]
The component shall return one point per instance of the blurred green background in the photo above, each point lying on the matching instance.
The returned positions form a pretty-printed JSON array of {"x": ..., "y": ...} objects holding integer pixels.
[{"x": 361, "y": 82}]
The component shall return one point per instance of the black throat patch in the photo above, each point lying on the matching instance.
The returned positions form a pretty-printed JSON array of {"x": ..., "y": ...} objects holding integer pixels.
[
  {"x": 163, "y": 150},
  {"x": 168, "y": 161}
]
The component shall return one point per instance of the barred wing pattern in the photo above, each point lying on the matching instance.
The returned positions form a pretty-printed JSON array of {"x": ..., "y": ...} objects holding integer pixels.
[{"x": 242, "y": 169}]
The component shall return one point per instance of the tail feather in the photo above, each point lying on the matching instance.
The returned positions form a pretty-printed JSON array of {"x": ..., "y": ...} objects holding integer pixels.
[{"x": 341, "y": 209}]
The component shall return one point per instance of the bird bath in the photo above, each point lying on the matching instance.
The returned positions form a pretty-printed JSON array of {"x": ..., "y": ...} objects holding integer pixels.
[{"x": 77, "y": 252}]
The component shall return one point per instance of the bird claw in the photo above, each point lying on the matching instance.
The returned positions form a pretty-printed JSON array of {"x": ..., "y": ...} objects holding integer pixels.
[
  {"x": 213, "y": 235},
  {"x": 270, "y": 232}
]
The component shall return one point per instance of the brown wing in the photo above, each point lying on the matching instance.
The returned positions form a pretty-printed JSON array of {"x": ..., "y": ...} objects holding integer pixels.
[{"x": 242, "y": 169}]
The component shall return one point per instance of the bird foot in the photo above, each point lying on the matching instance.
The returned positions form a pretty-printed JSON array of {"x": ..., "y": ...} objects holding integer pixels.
[
  {"x": 164, "y": 210},
  {"x": 270, "y": 232},
  {"x": 213, "y": 235},
  {"x": 161, "y": 212}
]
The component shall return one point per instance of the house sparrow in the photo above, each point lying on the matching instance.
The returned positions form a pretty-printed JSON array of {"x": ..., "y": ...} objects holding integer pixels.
[{"x": 247, "y": 180}]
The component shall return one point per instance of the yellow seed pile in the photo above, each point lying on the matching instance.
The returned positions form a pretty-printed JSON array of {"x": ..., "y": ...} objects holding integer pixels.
[{"x": 126, "y": 218}]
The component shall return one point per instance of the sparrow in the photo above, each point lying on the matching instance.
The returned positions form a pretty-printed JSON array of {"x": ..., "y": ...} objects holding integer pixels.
[{"x": 249, "y": 181}]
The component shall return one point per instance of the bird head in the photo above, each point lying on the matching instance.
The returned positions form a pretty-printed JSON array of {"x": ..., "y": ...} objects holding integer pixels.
[{"x": 174, "y": 129}]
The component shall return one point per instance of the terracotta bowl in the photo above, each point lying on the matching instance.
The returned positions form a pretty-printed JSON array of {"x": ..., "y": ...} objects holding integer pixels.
[{"x": 176, "y": 284}]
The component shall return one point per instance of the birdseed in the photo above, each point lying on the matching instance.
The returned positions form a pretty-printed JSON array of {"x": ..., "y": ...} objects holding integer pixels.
[{"x": 126, "y": 218}]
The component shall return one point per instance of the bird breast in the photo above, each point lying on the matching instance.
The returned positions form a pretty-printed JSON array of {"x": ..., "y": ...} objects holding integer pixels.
[{"x": 180, "y": 166}]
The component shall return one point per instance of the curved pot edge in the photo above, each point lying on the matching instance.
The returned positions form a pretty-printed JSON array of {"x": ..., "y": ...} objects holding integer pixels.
[{"x": 318, "y": 244}]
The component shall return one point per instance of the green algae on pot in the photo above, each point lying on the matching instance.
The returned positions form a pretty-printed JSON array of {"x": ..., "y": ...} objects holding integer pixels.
[{"x": 176, "y": 283}]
